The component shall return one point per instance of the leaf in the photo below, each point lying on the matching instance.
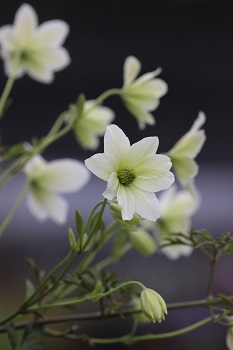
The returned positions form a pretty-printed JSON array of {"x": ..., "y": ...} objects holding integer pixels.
[
  {"x": 79, "y": 224},
  {"x": 96, "y": 224},
  {"x": 11, "y": 332},
  {"x": 30, "y": 288},
  {"x": 80, "y": 105},
  {"x": 72, "y": 239}
]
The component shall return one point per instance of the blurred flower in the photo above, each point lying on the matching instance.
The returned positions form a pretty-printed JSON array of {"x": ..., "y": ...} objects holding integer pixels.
[
  {"x": 90, "y": 124},
  {"x": 133, "y": 173},
  {"x": 49, "y": 179},
  {"x": 139, "y": 316},
  {"x": 229, "y": 339},
  {"x": 142, "y": 241},
  {"x": 153, "y": 305},
  {"x": 176, "y": 210},
  {"x": 186, "y": 149},
  {"x": 32, "y": 49},
  {"x": 141, "y": 96}
]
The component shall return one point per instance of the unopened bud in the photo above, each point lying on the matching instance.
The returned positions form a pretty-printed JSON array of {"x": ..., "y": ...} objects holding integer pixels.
[{"x": 153, "y": 305}]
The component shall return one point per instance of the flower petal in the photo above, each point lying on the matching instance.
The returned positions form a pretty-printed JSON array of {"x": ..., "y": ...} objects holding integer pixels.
[
  {"x": 176, "y": 251},
  {"x": 156, "y": 184},
  {"x": 185, "y": 169},
  {"x": 53, "y": 58},
  {"x": 126, "y": 200},
  {"x": 6, "y": 38},
  {"x": 117, "y": 144},
  {"x": 101, "y": 165},
  {"x": 189, "y": 145},
  {"x": 113, "y": 184},
  {"x": 25, "y": 23},
  {"x": 64, "y": 176},
  {"x": 153, "y": 167},
  {"x": 44, "y": 205},
  {"x": 146, "y": 204},
  {"x": 132, "y": 67},
  {"x": 143, "y": 149},
  {"x": 135, "y": 108},
  {"x": 39, "y": 73},
  {"x": 51, "y": 33},
  {"x": 201, "y": 118}
]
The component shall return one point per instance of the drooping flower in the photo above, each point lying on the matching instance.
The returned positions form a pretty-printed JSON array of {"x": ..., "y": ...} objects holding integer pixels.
[
  {"x": 176, "y": 207},
  {"x": 153, "y": 305},
  {"x": 47, "y": 180},
  {"x": 91, "y": 123},
  {"x": 142, "y": 241},
  {"x": 29, "y": 48},
  {"x": 141, "y": 95},
  {"x": 186, "y": 149},
  {"x": 133, "y": 172}
]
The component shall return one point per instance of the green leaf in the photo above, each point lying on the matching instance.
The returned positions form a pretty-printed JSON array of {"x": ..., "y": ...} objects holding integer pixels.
[
  {"x": 80, "y": 105},
  {"x": 72, "y": 239},
  {"x": 95, "y": 224},
  {"x": 79, "y": 223},
  {"x": 30, "y": 288},
  {"x": 11, "y": 332}
]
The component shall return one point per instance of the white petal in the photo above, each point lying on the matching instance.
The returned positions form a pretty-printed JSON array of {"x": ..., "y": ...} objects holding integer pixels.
[
  {"x": 155, "y": 185},
  {"x": 153, "y": 167},
  {"x": 146, "y": 204},
  {"x": 143, "y": 149},
  {"x": 53, "y": 58},
  {"x": 185, "y": 169},
  {"x": 6, "y": 38},
  {"x": 132, "y": 67},
  {"x": 201, "y": 118},
  {"x": 39, "y": 73},
  {"x": 51, "y": 33},
  {"x": 126, "y": 200},
  {"x": 117, "y": 144},
  {"x": 189, "y": 145},
  {"x": 25, "y": 23},
  {"x": 35, "y": 166},
  {"x": 176, "y": 251},
  {"x": 148, "y": 76},
  {"x": 113, "y": 184},
  {"x": 44, "y": 205},
  {"x": 101, "y": 165},
  {"x": 64, "y": 176},
  {"x": 135, "y": 108}
]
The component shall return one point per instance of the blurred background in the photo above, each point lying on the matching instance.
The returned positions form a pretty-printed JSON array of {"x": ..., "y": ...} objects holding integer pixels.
[{"x": 193, "y": 43}]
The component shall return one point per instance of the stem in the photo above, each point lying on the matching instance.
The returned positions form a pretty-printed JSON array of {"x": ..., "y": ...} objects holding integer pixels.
[
  {"x": 113, "y": 258},
  {"x": 5, "y": 94},
  {"x": 212, "y": 272},
  {"x": 13, "y": 210},
  {"x": 129, "y": 340},
  {"x": 106, "y": 95}
]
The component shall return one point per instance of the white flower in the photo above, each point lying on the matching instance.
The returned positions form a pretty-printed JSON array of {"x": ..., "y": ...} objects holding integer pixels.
[
  {"x": 229, "y": 339},
  {"x": 186, "y": 149},
  {"x": 141, "y": 96},
  {"x": 32, "y": 49},
  {"x": 133, "y": 173},
  {"x": 91, "y": 124},
  {"x": 176, "y": 207},
  {"x": 47, "y": 180}
]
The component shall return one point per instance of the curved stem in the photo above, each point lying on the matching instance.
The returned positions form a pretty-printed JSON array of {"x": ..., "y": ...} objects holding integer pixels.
[
  {"x": 13, "y": 210},
  {"x": 5, "y": 94},
  {"x": 106, "y": 95},
  {"x": 129, "y": 340}
]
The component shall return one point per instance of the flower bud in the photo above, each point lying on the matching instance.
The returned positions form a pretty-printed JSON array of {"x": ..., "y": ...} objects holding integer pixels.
[
  {"x": 153, "y": 305},
  {"x": 142, "y": 242}
]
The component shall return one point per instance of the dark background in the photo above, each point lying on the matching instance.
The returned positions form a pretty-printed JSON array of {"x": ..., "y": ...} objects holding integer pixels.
[{"x": 193, "y": 43}]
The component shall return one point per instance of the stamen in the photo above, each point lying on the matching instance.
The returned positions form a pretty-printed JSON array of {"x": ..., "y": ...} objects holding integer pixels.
[{"x": 126, "y": 176}]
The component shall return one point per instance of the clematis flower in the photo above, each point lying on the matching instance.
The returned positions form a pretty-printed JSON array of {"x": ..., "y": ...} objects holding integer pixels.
[
  {"x": 29, "y": 48},
  {"x": 176, "y": 207},
  {"x": 133, "y": 173},
  {"x": 47, "y": 180},
  {"x": 153, "y": 305},
  {"x": 141, "y": 95},
  {"x": 186, "y": 149},
  {"x": 91, "y": 124}
]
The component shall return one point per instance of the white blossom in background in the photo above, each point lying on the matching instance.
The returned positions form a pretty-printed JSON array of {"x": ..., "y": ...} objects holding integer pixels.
[
  {"x": 47, "y": 180},
  {"x": 186, "y": 149},
  {"x": 27, "y": 47},
  {"x": 176, "y": 207},
  {"x": 133, "y": 172},
  {"x": 141, "y": 95},
  {"x": 91, "y": 124}
]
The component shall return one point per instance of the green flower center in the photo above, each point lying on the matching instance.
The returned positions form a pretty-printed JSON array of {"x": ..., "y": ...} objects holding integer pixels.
[{"x": 126, "y": 176}]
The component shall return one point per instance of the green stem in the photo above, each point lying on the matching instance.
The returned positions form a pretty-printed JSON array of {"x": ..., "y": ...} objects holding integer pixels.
[
  {"x": 212, "y": 272},
  {"x": 129, "y": 340},
  {"x": 13, "y": 210},
  {"x": 5, "y": 94},
  {"x": 113, "y": 258},
  {"x": 106, "y": 95}
]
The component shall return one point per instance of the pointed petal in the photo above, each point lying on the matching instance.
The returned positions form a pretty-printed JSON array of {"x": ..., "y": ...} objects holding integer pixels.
[
  {"x": 132, "y": 67},
  {"x": 39, "y": 73},
  {"x": 189, "y": 145},
  {"x": 126, "y": 200},
  {"x": 176, "y": 251},
  {"x": 51, "y": 33},
  {"x": 101, "y": 165},
  {"x": 153, "y": 167},
  {"x": 113, "y": 184},
  {"x": 64, "y": 176},
  {"x": 185, "y": 169},
  {"x": 117, "y": 144},
  {"x": 155, "y": 185},
  {"x": 44, "y": 205},
  {"x": 53, "y": 58},
  {"x": 25, "y": 23},
  {"x": 146, "y": 204},
  {"x": 6, "y": 38},
  {"x": 135, "y": 108},
  {"x": 143, "y": 149},
  {"x": 201, "y": 118}
]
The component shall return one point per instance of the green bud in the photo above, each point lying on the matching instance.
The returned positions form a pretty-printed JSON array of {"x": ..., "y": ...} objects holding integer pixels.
[
  {"x": 153, "y": 305},
  {"x": 115, "y": 210},
  {"x": 142, "y": 242},
  {"x": 96, "y": 294}
]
